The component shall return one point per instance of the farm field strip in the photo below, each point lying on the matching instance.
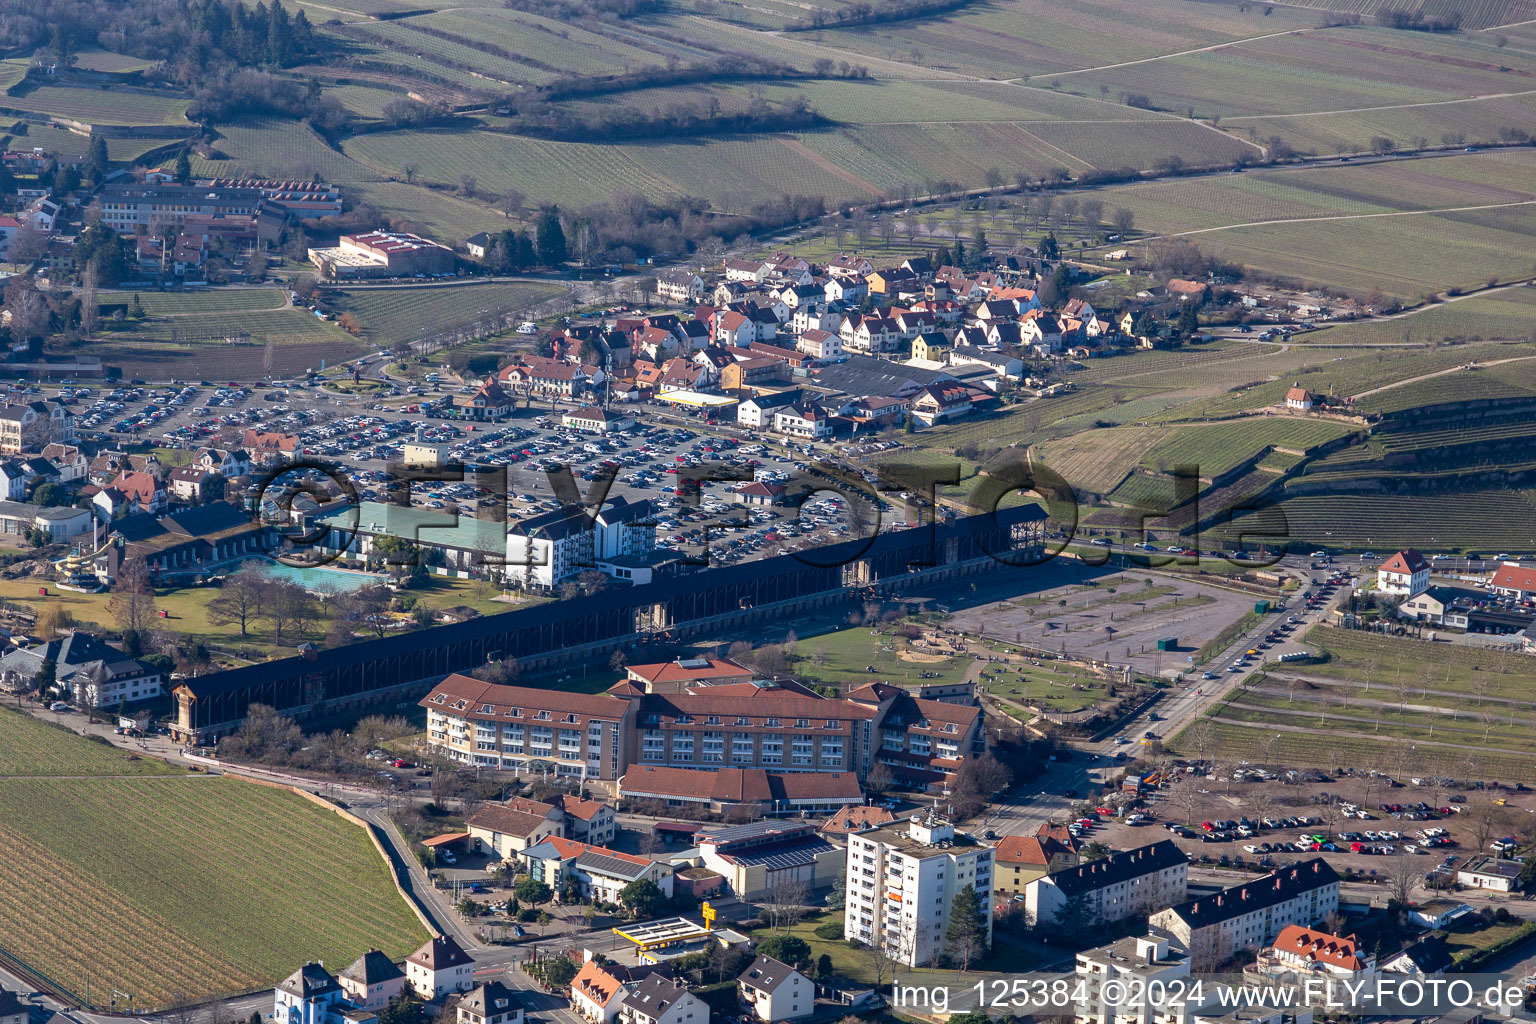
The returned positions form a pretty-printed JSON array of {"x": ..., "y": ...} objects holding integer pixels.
[
  {"x": 30, "y": 747},
  {"x": 102, "y": 106}
]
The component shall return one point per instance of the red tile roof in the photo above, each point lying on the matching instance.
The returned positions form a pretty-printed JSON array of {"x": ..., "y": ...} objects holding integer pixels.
[{"x": 1407, "y": 562}]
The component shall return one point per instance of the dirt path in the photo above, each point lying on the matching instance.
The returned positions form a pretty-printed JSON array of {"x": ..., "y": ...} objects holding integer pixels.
[
  {"x": 1440, "y": 373},
  {"x": 1183, "y": 53},
  {"x": 800, "y": 149},
  {"x": 1390, "y": 106},
  {"x": 1346, "y": 216}
]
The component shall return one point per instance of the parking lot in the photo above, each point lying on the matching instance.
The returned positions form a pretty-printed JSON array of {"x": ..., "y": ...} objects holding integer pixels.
[{"x": 361, "y": 437}]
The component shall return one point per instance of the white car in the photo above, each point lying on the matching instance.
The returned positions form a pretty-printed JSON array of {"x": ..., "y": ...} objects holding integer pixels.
[{"x": 1250, "y": 848}]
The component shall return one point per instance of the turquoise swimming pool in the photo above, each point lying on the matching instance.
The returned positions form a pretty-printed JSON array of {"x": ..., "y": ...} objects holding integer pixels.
[{"x": 327, "y": 581}]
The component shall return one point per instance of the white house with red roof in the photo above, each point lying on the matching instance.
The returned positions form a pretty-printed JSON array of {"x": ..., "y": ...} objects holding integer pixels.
[
  {"x": 600, "y": 873},
  {"x": 1511, "y": 579},
  {"x": 1306, "y": 950},
  {"x": 1405, "y": 573},
  {"x": 1299, "y": 399}
]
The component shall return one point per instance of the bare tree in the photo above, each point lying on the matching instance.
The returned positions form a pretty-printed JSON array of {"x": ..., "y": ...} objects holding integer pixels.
[
  {"x": 409, "y": 169},
  {"x": 239, "y": 601},
  {"x": 1402, "y": 877},
  {"x": 90, "y": 310},
  {"x": 133, "y": 599}
]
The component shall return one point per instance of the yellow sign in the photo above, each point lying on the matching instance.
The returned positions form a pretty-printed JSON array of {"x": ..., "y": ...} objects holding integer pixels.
[{"x": 709, "y": 915}]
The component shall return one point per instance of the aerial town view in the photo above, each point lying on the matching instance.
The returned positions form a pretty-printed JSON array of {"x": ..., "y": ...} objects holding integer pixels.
[{"x": 767, "y": 511}]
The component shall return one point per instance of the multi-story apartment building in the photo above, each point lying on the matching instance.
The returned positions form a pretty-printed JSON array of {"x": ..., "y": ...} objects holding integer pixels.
[
  {"x": 773, "y": 731},
  {"x": 707, "y": 724},
  {"x": 522, "y": 729},
  {"x": 921, "y": 741},
  {"x": 1113, "y": 888},
  {"x": 1251, "y": 915},
  {"x": 30, "y": 426},
  {"x": 546, "y": 549},
  {"x": 132, "y": 209},
  {"x": 1141, "y": 965},
  {"x": 901, "y": 880}
]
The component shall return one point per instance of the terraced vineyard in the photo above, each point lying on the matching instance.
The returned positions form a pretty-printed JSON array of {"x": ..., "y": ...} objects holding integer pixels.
[
  {"x": 1220, "y": 447},
  {"x": 1477, "y": 520}
]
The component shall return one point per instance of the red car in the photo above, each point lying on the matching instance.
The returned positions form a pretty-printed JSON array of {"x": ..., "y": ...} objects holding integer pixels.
[{"x": 401, "y": 762}]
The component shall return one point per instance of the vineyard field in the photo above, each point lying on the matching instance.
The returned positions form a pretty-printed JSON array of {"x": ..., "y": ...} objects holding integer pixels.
[
  {"x": 86, "y": 898},
  {"x": 389, "y": 315}
]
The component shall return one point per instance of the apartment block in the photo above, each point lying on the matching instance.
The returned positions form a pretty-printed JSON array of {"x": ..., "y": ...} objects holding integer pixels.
[
  {"x": 901, "y": 880},
  {"x": 1251, "y": 915},
  {"x": 1126, "y": 884}
]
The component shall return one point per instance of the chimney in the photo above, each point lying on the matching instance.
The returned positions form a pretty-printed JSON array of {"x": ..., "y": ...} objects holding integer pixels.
[{"x": 1195, "y": 908}]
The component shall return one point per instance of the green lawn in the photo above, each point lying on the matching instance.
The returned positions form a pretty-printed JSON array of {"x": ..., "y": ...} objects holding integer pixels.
[
  {"x": 841, "y": 658},
  {"x": 177, "y": 887}
]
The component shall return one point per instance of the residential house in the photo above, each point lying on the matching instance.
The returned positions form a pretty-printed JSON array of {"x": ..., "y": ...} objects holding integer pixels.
[
  {"x": 30, "y": 426},
  {"x": 510, "y": 828},
  {"x": 479, "y": 244},
  {"x": 1021, "y": 860},
  {"x": 932, "y": 348},
  {"x": 598, "y": 992},
  {"x": 936, "y": 403},
  {"x": 771, "y": 991},
  {"x": 851, "y": 291},
  {"x": 811, "y": 318},
  {"x": 751, "y": 370},
  {"x": 1511, "y": 579},
  {"x": 440, "y": 967},
  {"x": 192, "y": 485},
  {"x": 143, "y": 491},
  {"x": 1405, "y": 573},
  {"x": 1428, "y": 958},
  {"x": 659, "y": 1000},
  {"x": 92, "y": 672},
  {"x": 488, "y": 402},
  {"x": 820, "y": 344},
  {"x": 543, "y": 377},
  {"x": 491, "y": 1003},
  {"x": 371, "y": 981},
  {"x": 586, "y": 820},
  {"x": 845, "y": 821},
  {"x": 870, "y": 334},
  {"x": 803, "y": 419},
  {"x": 267, "y": 446},
  {"x": 228, "y": 463},
  {"x": 849, "y": 266},
  {"x": 310, "y": 995},
  {"x": 679, "y": 285},
  {"x": 746, "y": 271},
  {"x": 69, "y": 460},
  {"x": 12, "y": 1009},
  {"x": 1302, "y": 950},
  {"x": 1189, "y": 291},
  {"x": 598, "y": 873},
  {"x": 13, "y": 480}
]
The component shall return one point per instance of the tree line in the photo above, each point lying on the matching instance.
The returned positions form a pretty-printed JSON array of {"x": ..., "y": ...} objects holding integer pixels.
[
  {"x": 683, "y": 118},
  {"x": 867, "y": 13}
]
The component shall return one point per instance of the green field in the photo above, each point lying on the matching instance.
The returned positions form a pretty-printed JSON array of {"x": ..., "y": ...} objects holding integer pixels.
[
  {"x": 390, "y": 315},
  {"x": 178, "y": 887},
  {"x": 35, "y": 748},
  {"x": 840, "y": 659}
]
